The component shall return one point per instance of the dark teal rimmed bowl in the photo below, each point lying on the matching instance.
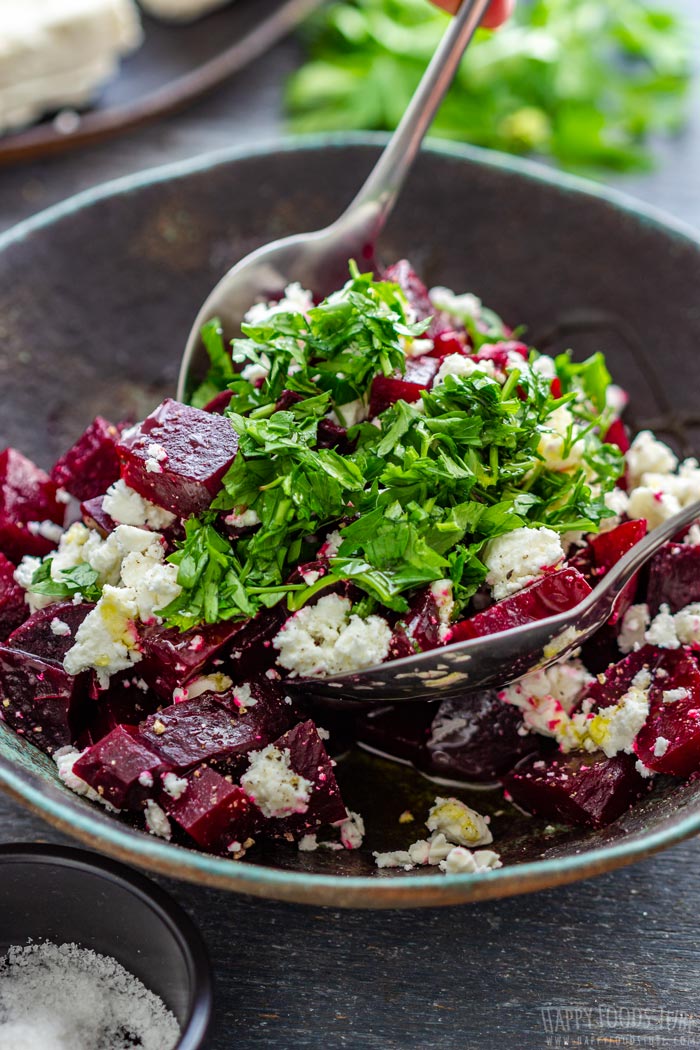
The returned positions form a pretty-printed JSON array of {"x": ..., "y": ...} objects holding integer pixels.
[{"x": 96, "y": 296}]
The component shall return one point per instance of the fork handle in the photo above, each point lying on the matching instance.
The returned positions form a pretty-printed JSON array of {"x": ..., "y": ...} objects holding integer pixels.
[{"x": 375, "y": 200}]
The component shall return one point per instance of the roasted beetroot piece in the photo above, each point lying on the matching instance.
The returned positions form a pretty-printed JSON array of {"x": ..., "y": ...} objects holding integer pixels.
[
  {"x": 669, "y": 741},
  {"x": 674, "y": 577},
  {"x": 332, "y": 435},
  {"x": 617, "y": 678},
  {"x": 215, "y": 813},
  {"x": 91, "y": 465},
  {"x": 387, "y": 390},
  {"x": 419, "y": 629},
  {"x": 397, "y": 732},
  {"x": 616, "y": 434},
  {"x": 475, "y": 738},
  {"x": 40, "y": 701},
  {"x": 171, "y": 658},
  {"x": 13, "y": 608},
  {"x": 126, "y": 701},
  {"x": 28, "y": 507},
  {"x": 421, "y": 370},
  {"x": 576, "y": 789},
  {"x": 49, "y": 633},
  {"x": 449, "y": 342},
  {"x": 403, "y": 274},
  {"x": 219, "y": 403},
  {"x": 306, "y": 756},
  {"x": 548, "y": 596},
  {"x": 606, "y": 551},
  {"x": 177, "y": 457},
  {"x": 215, "y": 730},
  {"x": 122, "y": 769},
  {"x": 95, "y": 516}
]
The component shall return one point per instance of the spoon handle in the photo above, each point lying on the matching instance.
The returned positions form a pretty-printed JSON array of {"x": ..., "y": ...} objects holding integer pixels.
[
  {"x": 376, "y": 198},
  {"x": 623, "y": 571}
]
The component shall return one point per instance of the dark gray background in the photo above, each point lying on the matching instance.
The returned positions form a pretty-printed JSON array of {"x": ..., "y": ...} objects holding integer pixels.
[{"x": 490, "y": 976}]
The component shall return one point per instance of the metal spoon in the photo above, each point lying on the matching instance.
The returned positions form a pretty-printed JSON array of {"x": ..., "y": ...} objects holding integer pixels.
[
  {"x": 319, "y": 261},
  {"x": 497, "y": 659}
]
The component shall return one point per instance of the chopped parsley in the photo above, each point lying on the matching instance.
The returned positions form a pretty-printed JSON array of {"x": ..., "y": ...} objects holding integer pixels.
[{"x": 425, "y": 486}]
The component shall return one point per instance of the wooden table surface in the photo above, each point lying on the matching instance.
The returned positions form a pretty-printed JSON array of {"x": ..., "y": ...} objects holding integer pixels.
[{"x": 611, "y": 962}]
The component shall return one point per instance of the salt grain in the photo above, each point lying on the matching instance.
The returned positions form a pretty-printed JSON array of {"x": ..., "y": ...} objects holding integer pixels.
[{"x": 63, "y": 997}]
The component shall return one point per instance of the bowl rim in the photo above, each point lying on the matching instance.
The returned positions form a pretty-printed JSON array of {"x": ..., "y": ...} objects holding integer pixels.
[
  {"x": 80, "y": 821},
  {"x": 158, "y": 900}
]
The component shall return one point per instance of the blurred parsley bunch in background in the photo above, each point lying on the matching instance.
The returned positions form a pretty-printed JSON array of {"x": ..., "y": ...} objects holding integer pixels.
[{"x": 585, "y": 82}]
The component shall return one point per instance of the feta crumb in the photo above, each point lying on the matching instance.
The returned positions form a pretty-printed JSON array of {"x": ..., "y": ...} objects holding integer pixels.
[
  {"x": 65, "y": 758},
  {"x": 243, "y": 696},
  {"x": 635, "y": 624},
  {"x": 661, "y": 746},
  {"x": 307, "y": 844},
  {"x": 59, "y": 627},
  {"x": 547, "y": 697},
  {"x": 257, "y": 373},
  {"x": 692, "y": 536},
  {"x": 687, "y": 624},
  {"x": 663, "y": 630},
  {"x": 48, "y": 530},
  {"x": 399, "y": 858},
  {"x": 648, "y": 455},
  {"x": 461, "y": 366},
  {"x": 295, "y": 300},
  {"x": 352, "y": 413},
  {"x": 672, "y": 696},
  {"x": 643, "y": 770},
  {"x": 614, "y": 729},
  {"x": 458, "y": 823},
  {"x": 462, "y": 861},
  {"x": 443, "y": 597},
  {"x": 156, "y": 820},
  {"x": 352, "y": 830},
  {"x": 653, "y": 505},
  {"x": 520, "y": 557},
  {"x": 157, "y": 452},
  {"x": 331, "y": 545},
  {"x": 127, "y": 507},
  {"x": 146, "y": 779},
  {"x": 559, "y": 446},
  {"x": 464, "y": 307},
  {"x": 273, "y": 785},
  {"x": 242, "y": 518},
  {"x": 174, "y": 785},
  {"x": 310, "y": 577},
  {"x": 326, "y": 639}
]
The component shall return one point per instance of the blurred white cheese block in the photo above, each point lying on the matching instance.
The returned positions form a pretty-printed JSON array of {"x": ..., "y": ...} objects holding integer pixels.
[
  {"x": 57, "y": 54},
  {"x": 180, "y": 10}
]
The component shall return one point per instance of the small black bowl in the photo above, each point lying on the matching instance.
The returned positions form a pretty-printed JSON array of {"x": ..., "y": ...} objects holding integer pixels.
[{"x": 70, "y": 895}]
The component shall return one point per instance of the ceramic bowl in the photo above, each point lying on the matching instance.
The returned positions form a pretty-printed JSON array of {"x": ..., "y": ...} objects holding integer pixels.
[{"x": 96, "y": 298}]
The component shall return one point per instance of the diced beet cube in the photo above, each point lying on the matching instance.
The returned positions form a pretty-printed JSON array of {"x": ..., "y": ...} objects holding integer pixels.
[
  {"x": 475, "y": 737},
  {"x": 449, "y": 342},
  {"x": 397, "y": 732},
  {"x": 608, "y": 548},
  {"x": 548, "y": 596},
  {"x": 39, "y": 700},
  {"x": 178, "y": 456},
  {"x": 49, "y": 633},
  {"x": 607, "y": 689},
  {"x": 616, "y": 434},
  {"x": 95, "y": 516},
  {"x": 576, "y": 789},
  {"x": 172, "y": 657},
  {"x": 91, "y": 465},
  {"x": 216, "y": 729},
  {"x": 13, "y": 608},
  {"x": 421, "y": 370},
  {"x": 27, "y": 502},
  {"x": 217, "y": 814},
  {"x": 126, "y": 701},
  {"x": 419, "y": 629},
  {"x": 387, "y": 390},
  {"x": 674, "y": 577},
  {"x": 121, "y": 768},
  {"x": 219, "y": 403},
  {"x": 307, "y": 758},
  {"x": 332, "y": 435},
  {"x": 669, "y": 741},
  {"x": 403, "y": 274}
]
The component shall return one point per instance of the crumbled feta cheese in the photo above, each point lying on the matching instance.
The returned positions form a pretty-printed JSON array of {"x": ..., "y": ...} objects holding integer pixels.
[
  {"x": 59, "y": 627},
  {"x": 256, "y": 373},
  {"x": 327, "y": 638},
  {"x": 520, "y": 557},
  {"x": 146, "y": 778},
  {"x": 648, "y": 455},
  {"x": 243, "y": 696},
  {"x": 127, "y": 507},
  {"x": 464, "y": 307},
  {"x": 547, "y": 697},
  {"x": 307, "y": 844},
  {"x": 352, "y": 830},
  {"x": 643, "y": 770},
  {"x": 687, "y": 624},
  {"x": 635, "y": 624},
  {"x": 331, "y": 545},
  {"x": 295, "y": 300},
  {"x": 48, "y": 530},
  {"x": 617, "y": 501},
  {"x": 417, "y": 347},
  {"x": 156, "y": 820},
  {"x": 443, "y": 597},
  {"x": 662, "y": 631},
  {"x": 459, "y": 365},
  {"x": 559, "y": 446},
  {"x": 273, "y": 785},
  {"x": 661, "y": 745},
  {"x": 672, "y": 696},
  {"x": 655, "y": 506},
  {"x": 458, "y": 823},
  {"x": 692, "y": 536},
  {"x": 65, "y": 758},
  {"x": 174, "y": 785},
  {"x": 350, "y": 414},
  {"x": 399, "y": 858},
  {"x": 614, "y": 729},
  {"x": 462, "y": 861},
  {"x": 241, "y": 518},
  {"x": 310, "y": 577}
]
